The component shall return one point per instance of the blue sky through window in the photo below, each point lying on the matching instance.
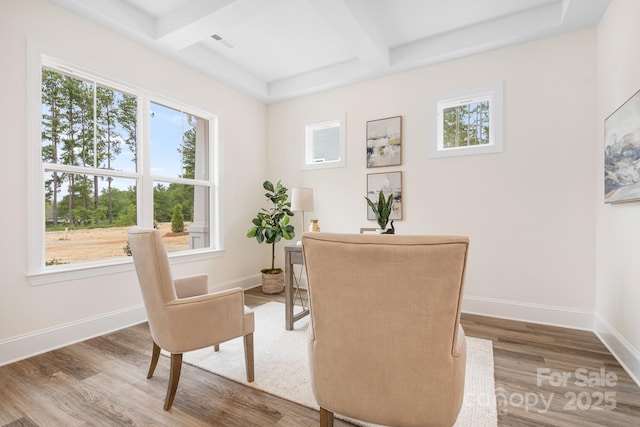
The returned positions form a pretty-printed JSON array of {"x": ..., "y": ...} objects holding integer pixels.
[{"x": 167, "y": 129}]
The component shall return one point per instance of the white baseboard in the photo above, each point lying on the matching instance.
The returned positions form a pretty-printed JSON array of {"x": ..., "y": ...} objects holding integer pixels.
[
  {"x": 244, "y": 283},
  {"x": 526, "y": 312},
  {"x": 625, "y": 353},
  {"x": 34, "y": 343},
  {"x": 38, "y": 342}
]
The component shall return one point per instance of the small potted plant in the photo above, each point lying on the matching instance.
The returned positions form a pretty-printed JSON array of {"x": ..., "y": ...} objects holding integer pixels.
[
  {"x": 382, "y": 210},
  {"x": 270, "y": 226}
]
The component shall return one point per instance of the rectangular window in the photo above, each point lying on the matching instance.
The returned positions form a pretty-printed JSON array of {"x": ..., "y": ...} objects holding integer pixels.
[
  {"x": 97, "y": 169},
  {"x": 180, "y": 169},
  {"x": 324, "y": 144},
  {"x": 468, "y": 124}
]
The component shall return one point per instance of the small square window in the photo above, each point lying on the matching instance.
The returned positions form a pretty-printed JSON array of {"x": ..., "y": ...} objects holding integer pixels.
[
  {"x": 468, "y": 124},
  {"x": 324, "y": 144}
]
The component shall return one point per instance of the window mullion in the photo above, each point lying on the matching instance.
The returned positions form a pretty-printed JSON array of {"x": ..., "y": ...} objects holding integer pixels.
[
  {"x": 95, "y": 125},
  {"x": 145, "y": 195}
]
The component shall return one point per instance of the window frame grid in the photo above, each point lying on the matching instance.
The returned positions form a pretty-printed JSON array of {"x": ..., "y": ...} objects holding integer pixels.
[
  {"x": 38, "y": 273},
  {"x": 492, "y": 93}
]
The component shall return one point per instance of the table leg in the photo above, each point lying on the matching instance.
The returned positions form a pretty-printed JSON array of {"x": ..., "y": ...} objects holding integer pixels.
[{"x": 288, "y": 292}]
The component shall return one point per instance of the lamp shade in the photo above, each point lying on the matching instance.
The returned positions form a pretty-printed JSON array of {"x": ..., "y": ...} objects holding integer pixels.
[{"x": 301, "y": 199}]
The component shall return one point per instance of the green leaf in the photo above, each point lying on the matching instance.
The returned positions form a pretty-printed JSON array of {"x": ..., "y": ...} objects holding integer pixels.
[
  {"x": 382, "y": 210},
  {"x": 373, "y": 207},
  {"x": 270, "y": 233},
  {"x": 252, "y": 232},
  {"x": 267, "y": 186}
]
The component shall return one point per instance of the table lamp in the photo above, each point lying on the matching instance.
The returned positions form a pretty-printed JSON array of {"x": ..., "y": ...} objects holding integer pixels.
[{"x": 301, "y": 201}]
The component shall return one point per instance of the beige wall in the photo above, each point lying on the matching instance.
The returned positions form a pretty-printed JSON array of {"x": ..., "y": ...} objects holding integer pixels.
[
  {"x": 528, "y": 211},
  {"x": 27, "y": 309},
  {"x": 618, "y": 226}
]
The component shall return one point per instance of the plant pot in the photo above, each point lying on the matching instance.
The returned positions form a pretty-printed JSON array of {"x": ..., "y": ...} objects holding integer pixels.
[{"x": 273, "y": 283}]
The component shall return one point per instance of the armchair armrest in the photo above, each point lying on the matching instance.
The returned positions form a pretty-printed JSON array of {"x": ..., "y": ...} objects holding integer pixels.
[
  {"x": 204, "y": 320},
  {"x": 191, "y": 286},
  {"x": 459, "y": 343}
]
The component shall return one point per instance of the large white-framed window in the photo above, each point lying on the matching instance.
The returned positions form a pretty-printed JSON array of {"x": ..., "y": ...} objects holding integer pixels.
[
  {"x": 324, "y": 144},
  {"x": 111, "y": 156},
  {"x": 468, "y": 123}
]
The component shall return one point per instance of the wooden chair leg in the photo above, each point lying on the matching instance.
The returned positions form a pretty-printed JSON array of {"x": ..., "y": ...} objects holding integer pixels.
[
  {"x": 248, "y": 356},
  {"x": 216, "y": 347},
  {"x": 326, "y": 418},
  {"x": 155, "y": 355},
  {"x": 174, "y": 377}
]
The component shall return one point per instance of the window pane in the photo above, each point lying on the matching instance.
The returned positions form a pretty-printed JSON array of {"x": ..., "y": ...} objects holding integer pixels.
[
  {"x": 179, "y": 143},
  {"x": 322, "y": 143},
  {"x": 70, "y": 133},
  {"x": 67, "y": 120},
  {"x": 117, "y": 130},
  {"x": 182, "y": 213},
  {"x": 87, "y": 217},
  {"x": 466, "y": 125},
  {"x": 326, "y": 144}
]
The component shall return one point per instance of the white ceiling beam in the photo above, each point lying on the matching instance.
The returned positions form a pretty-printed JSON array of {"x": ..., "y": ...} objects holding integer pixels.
[
  {"x": 220, "y": 68},
  {"x": 479, "y": 37},
  {"x": 182, "y": 20},
  {"x": 577, "y": 14},
  {"x": 321, "y": 79},
  {"x": 352, "y": 22},
  {"x": 199, "y": 19}
]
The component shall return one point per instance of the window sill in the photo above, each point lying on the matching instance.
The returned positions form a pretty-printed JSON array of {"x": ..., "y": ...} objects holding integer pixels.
[
  {"x": 466, "y": 151},
  {"x": 324, "y": 165},
  {"x": 121, "y": 265}
]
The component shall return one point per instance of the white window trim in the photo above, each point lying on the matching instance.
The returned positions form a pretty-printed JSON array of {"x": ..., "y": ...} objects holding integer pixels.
[
  {"x": 36, "y": 271},
  {"x": 308, "y": 165},
  {"x": 496, "y": 143}
]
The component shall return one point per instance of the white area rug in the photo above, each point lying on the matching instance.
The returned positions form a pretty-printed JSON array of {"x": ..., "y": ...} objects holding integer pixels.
[{"x": 282, "y": 366}]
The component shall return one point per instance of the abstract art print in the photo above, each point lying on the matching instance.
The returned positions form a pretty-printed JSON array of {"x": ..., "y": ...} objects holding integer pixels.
[
  {"x": 384, "y": 142},
  {"x": 388, "y": 183},
  {"x": 622, "y": 153}
]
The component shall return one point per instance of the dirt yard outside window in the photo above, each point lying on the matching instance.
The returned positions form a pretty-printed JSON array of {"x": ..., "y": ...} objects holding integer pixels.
[{"x": 74, "y": 246}]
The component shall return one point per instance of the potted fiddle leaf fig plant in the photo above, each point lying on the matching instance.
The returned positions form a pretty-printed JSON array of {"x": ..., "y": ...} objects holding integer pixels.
[
  {"x": 270, "y": 226},
  {"x": 382, "y": 211}
]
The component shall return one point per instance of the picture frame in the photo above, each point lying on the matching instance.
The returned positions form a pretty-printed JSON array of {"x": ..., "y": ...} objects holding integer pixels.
[
  {"x": 622, "y": 152},
  {"x": 388, "y": 183},
  {"x": 384, "y": 142}
]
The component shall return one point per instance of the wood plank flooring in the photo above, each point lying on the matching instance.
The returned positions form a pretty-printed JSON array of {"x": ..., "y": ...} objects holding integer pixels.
[{"x": 102, "y": 382}]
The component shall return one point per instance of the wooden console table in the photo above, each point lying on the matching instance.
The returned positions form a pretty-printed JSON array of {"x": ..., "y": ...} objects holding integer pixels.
[{"x": 292, "y": 255}]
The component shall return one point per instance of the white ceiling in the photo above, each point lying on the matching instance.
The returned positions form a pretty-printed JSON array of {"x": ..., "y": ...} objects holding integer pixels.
[{"x": 288, "y": 48}]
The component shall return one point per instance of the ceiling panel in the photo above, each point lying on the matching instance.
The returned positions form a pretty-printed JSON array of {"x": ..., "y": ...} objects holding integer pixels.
[{"x": 288, "y": 48}]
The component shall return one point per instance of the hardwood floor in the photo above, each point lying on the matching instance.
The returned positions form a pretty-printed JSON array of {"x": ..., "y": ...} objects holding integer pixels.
[{"x": 102, "y": 382}]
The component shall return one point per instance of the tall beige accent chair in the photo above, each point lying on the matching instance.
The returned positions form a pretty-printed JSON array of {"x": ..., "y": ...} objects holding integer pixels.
[
  {"x": 386, "y": 345},
  {"x": 183, "y": 316}
]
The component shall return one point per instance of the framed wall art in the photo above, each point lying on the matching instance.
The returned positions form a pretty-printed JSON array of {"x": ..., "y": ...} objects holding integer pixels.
[
  {"x": 388, "y": 183},
  {"x": 622, "y": 153},
  {"x": 384, "y": 142}
]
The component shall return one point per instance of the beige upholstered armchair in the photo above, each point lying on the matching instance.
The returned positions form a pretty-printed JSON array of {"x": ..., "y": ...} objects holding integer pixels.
[
  {"x": 386, "y": 345},
  {"x": 183, "y": 316}
]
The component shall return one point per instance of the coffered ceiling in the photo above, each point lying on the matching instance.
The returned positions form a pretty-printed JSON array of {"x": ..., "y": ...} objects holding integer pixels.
[{"x": 280, "y": 49}]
